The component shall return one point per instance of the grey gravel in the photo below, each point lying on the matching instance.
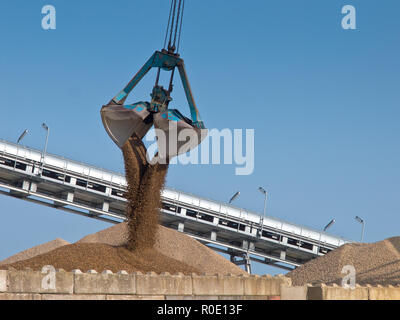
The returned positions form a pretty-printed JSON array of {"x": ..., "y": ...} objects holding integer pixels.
[{"x": 376, "y": 264}]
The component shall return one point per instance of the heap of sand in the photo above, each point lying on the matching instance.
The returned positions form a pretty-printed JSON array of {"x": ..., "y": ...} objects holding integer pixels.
[{"x": 376, "y": 264}]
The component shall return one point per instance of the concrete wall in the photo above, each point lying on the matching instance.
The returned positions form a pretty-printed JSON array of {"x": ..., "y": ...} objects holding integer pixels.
[
  {"x": 51, "y": 284},
  {"x": 58, "y": 284},
  {"x": 368, "y": 292}
]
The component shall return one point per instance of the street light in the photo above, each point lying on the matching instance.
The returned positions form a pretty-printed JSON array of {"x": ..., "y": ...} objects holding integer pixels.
[
  {"x": 358, "y": 219},
  {"x": 234, "y": 196},
  {"x": 22, "y": 136},
  {"x": 264, "y": 192},
  {"x": 329, "y": 224},
  {"x": 45, "y": 127}
]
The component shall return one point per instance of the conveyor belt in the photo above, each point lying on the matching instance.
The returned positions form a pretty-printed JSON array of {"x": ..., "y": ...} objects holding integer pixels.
[{"x": 82, "y": 189}]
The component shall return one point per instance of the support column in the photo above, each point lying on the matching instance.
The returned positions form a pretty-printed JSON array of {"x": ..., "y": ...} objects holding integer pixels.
[
  {"x": 70, "y": 196},
  {"x": 25, "y": 185},
  {"x": 106, "y": 206},
  {"x": 247, "y": 263},
  {"x": 33, "y": 187},
  {"x": 244, "y": 259},
  {"x": 252, "y": 246}
]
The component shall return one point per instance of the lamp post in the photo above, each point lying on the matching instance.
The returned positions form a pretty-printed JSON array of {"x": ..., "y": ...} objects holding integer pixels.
[
  {"x": 358, "y": 219},
  {"x": 23, "y": 134},
  {"x": 44, "y": 126},
  {"x": 325, "y": 228},
  {"x": 264, "y": 192},
  {"x": 329, "y": 224},
  {"x": 234, "y": 196}
]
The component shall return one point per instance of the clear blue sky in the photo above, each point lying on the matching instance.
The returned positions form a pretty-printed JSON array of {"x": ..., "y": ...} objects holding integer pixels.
[{"x": 324, "y": 103}]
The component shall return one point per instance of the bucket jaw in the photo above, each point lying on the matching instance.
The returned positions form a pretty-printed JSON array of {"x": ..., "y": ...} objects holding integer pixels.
[
  {"x": 175, "y": 134},
  {"x": 121, "y": 122}
]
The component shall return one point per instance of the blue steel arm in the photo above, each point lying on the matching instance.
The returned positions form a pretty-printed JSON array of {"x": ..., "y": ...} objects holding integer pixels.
[
  {"x": 189, "y": 96},
  {"x": 121, "y": 97},
  {"x": 157, "y": 60},
  {"x": 166, "y": 62}
]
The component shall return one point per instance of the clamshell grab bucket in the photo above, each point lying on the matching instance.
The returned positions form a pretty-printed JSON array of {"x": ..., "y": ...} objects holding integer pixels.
[{"x": 175, "y": 133}]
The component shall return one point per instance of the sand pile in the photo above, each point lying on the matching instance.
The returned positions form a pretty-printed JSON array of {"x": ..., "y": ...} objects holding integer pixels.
[
  {"x": 173, "y": 244},
  {"x": 376, "y": 263},
  {"x": 106, "y": 250},
  {"x": 100, "y": 257},
  {"x": 35, "y": 251}
]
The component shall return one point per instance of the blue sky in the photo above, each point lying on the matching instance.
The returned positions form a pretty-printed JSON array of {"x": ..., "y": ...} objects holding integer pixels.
[{"x": 323, "y": 101}]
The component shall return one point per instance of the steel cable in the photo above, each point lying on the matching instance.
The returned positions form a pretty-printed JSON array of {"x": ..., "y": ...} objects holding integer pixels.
[
  {"x": 172, "y": 25},
  {"x": 177, "y": 22},
  {"x": 169, "y": 21},
  {"x": 180, "y": 28}
]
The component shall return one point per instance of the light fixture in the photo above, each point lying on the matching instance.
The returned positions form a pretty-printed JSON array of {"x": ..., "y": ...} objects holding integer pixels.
[
  {"x": 22, "y": 136},
  {"x": 358, "y": 219},
  {"x": 45, "y": 126},
  {"x": 234, "y": 196},
  {"x": 264, "y": 192},
  {"x": 329, "y": 224}
]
